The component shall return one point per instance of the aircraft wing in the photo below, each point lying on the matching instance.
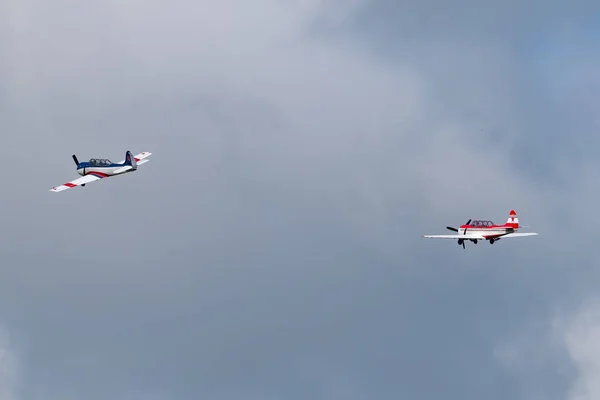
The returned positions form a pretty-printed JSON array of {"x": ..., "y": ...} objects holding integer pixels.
[
  {"x": 77, "y": 182},
  {"x": 466, "y": 237},
  {"x": 139, "y": 157},
  {"x": 519, "y": 234}
]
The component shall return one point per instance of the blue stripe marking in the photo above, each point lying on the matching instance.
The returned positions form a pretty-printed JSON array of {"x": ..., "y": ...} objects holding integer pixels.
[{"x": 87, "y": 165}]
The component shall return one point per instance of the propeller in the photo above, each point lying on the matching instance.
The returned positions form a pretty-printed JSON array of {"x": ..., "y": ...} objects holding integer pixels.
[
  {"x": 76, "y": 160},
  {"x": 460, "y": 241},
  {"x": 465, "y": 232}
]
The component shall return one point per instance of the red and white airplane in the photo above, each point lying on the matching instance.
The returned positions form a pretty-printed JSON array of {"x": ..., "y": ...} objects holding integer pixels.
[{"x": 485, "y": 230}]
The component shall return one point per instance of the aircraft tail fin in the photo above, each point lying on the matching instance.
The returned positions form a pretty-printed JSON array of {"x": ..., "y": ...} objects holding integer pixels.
[
  {"x": 513, "y": 221},
  {"x": 130, "y": 160}
]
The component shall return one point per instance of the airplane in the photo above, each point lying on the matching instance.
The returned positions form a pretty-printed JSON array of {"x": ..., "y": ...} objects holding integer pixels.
[
  {"x": 485, "y": 230},
  {"x": 96, "y": 169}
]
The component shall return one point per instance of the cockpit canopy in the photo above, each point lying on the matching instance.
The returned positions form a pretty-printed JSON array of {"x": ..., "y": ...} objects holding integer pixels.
[
  {"x": 98, "y": 162},
  {"x": 481, "y": 223}
]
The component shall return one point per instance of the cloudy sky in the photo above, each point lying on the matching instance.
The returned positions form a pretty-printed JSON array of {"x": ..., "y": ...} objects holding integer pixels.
[{"x": 271, "y": 249}]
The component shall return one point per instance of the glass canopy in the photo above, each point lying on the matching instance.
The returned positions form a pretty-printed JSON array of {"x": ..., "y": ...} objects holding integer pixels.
[
  {"x": 481, "y": 223},
  {"x": 98, "y": 162}
]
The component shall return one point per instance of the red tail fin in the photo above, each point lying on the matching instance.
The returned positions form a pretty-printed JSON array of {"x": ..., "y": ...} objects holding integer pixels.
[{"x": 513, "y": 221}]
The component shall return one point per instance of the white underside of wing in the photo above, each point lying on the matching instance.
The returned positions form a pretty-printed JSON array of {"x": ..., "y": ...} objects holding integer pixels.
[
  {"x": 467, "y": 237},
  {"x": 77, "y": 182},
  {"x": 519, "y": 234},
  {"x": 453, "y": 237}
]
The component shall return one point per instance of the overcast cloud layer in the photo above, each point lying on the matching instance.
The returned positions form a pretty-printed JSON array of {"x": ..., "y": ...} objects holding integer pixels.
[{"x": 271, "y": 249}]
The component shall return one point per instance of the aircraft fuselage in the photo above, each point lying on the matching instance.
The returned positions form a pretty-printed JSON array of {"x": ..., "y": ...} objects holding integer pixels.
[{"x": 103, "y": 172}]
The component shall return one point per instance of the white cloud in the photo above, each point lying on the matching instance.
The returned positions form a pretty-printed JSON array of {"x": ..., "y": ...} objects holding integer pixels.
[
  {"x": 568, "y": 346},
  {"x": 9, "y": 373},
  {"x": 581, "y": 337}
]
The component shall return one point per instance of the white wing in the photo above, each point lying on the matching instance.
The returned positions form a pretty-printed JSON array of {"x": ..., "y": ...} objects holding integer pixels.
[
  {"x": 519, "y": 234},
  {"x": 77, "y": 182},
  {"x": 509, "y": 235},
  {"x": 453, "y": 237}
]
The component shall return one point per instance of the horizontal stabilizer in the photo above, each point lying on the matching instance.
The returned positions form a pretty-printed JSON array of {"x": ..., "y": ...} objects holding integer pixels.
[
  {"x": 129, "y": 167},
  {"x": 138, "y": 157}
]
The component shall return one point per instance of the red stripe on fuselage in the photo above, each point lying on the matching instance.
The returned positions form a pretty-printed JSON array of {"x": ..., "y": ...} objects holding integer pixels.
[{"x": 487, "y": 227}]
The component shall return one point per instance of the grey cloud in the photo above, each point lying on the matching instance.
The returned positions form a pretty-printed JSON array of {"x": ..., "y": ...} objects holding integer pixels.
[{"x": 271, "y": 248}]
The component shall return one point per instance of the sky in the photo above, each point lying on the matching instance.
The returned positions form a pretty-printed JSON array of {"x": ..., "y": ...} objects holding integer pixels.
[{"x": 272, "y": 247}]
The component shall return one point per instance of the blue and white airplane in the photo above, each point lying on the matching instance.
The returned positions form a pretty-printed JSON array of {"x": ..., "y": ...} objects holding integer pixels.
[{"x": 96, "y": 169}]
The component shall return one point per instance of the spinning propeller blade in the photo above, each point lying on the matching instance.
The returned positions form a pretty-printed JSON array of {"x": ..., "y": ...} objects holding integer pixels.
[
  {"x": 461, "y": 241},
  {"x": 465, "y": 232}
]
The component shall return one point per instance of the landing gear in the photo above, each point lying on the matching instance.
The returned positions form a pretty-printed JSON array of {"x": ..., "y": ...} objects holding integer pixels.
[
  {"x": 474, "y": 241},
  {"x": 83, "y": 185},
  {"x": 492, "y": 241},
  {"x": 460, "y": 242}
]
